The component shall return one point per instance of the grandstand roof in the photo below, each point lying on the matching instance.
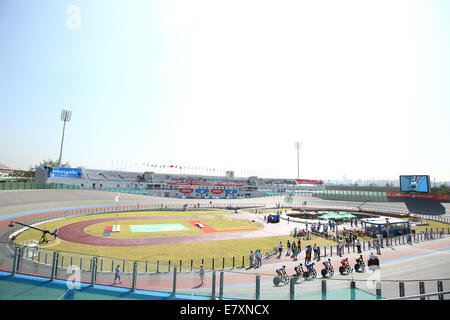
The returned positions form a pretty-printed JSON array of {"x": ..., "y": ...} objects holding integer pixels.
[{"x": 4, "y": 167}]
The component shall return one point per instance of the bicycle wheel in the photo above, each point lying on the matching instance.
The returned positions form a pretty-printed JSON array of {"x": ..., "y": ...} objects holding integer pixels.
[{"x": 276, "y": 281}]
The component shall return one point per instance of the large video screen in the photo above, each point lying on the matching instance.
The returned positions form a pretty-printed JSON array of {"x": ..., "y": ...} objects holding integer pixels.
[{"x": 415, "y": 184}]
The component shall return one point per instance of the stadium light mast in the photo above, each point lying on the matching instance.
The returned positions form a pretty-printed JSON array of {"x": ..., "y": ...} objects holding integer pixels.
[
  {"x": 65, "y": 116},
  {"x": 297, "y": 147}
]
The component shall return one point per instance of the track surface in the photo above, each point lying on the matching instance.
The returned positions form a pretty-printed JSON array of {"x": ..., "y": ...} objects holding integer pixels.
[{"x": 74, "y": 232}]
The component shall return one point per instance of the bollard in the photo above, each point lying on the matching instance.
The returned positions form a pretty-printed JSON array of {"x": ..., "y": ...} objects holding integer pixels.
[
  {"x": 146, "y": 266},
  {"x": 258, "y": 287},
  {"x": 325, "y": 251},
  {"x": 324, "y": 289},
  {"x": 223, "y": 263},
  {"x": 440, "y": 289},
  {"x": 212, "y": 263},
  {"x": 378, "y": 290},
  {"x": 54, "y": 266},
  {"x": 191, "y": 264},
  {"x": 157, "y": 266},
  {"x": 93, "y": 270},
  {"x": 213, "y": 286},
  {"x": 292, "y": 289},
  {"x": 133, "y": 282},
  {"x": 243, "y": 262},
  {"x": 233, "y": 262},
  {"x": 221, "y": 286},
  {"x": 181, "y": 263},
  {"x": 168, "y": 270},
  {"x": 364, "y": 246},
  {"x": 174, "y": 289},
  {"x": 352, "y": 290},
  {"x": 16, "y": 260},
  {"x": 422, "y": 289},
  {"x": 331, "y": 251},
  {"x": 123, "y": 266},
  {"x": 81, "y": 262},
  {"x": 401, "y": 289}
]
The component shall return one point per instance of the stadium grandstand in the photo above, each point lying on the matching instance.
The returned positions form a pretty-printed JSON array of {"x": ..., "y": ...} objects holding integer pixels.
[{"x": 177, "y": 185}]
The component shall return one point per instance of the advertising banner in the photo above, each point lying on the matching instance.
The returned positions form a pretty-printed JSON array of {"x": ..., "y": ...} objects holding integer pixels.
[
  {"x": 418, "y": 195},
  {"x": 64, "y": 173},
  {"x": 206, "y": 184},
  {"x": 186, "y": 190},
  {"x": 306, "y": 181},
  {"x": 202, "y": 191},
  {"x": 217, "y": 191},
  {"x": 231, "y": 191}
]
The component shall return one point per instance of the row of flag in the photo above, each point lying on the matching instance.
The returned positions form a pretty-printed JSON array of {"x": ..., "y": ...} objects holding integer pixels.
[{"x": 149, "y": 166}]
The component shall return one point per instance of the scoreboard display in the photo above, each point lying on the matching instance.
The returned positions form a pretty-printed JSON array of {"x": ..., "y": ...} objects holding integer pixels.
[{"x": 415, "y": 184}]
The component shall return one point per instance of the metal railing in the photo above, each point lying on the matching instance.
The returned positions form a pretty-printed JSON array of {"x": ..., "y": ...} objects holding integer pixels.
[{"x": 421, "y": 296}]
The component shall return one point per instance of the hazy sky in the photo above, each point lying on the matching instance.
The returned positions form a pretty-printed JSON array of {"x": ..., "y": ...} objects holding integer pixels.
[{"x": 364, "y": 85}]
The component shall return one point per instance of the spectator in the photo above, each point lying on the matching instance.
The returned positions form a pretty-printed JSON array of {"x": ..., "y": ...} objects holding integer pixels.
[
  {"x": 377, "y": 246},
  {"x": 280, "y": 249},
  {"x": 288, "y": 248},
  {"x": 299, "y": 245},
  {"x": 251, "y": 259},
  {"x": 308, "y": 254},
  {"x": 340, "y": 247},
  {"x": 117, "y": 274},
  {"x": 318, "y": 253},
  {"x": 358, "y": 246},
  {"x": 202, "y": 274},
  {"x": 315, "y": 251},
  {"x": 259, "y": 257}
]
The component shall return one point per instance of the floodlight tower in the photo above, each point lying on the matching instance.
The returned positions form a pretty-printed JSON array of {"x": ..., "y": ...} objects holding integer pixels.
[
  {"x": 65, "y": 116},
  {"x": 298, "y": 146}
]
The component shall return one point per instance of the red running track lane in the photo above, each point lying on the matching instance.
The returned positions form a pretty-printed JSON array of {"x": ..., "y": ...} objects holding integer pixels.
[{"x": 75, "y": 233}]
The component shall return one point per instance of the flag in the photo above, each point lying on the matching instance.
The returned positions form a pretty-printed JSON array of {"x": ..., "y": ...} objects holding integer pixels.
[{"x": 116, "y": 199}]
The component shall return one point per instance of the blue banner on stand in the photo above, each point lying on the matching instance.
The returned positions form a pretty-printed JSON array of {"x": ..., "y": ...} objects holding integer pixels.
[
  {"x": 64, "y": 173},
  {"x": 231, "y": 191},
  {"x": 201, "y": 191}
]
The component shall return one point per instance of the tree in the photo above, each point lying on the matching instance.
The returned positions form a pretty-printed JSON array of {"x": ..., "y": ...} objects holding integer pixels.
[{"x": 52, "y": 164}]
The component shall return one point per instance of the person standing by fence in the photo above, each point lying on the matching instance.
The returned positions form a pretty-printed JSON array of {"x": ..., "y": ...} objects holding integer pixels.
[
  {"x": 117, "y": 274},
  {"x": 258, "y": 258},
  {"x": 251, "y": 258},
  {"x": 377, "y": 246},
  {"x": 202, "y": 274}
]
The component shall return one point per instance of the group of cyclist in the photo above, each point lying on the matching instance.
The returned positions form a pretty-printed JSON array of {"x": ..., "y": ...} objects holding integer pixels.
[{"x": 309, "y": 271}]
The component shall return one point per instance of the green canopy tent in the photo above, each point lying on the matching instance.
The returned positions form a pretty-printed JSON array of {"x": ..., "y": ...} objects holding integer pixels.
[
  {"x": 331, "y": 216},
  {"x": 346, "y": 215}
]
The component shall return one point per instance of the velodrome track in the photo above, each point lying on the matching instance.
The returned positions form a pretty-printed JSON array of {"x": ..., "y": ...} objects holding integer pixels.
[
  {"x": 23, "y": 201},
  {"x": 421, "y": 262}
]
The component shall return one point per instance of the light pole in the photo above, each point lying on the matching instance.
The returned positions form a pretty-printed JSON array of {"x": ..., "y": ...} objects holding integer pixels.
[
  {"x": 65, "y": 116},
  {"x": 388, "y": 225},
  {"x": 298, "y": 146}
]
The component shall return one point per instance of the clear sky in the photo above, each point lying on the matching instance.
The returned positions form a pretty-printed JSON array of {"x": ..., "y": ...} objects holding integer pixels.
[{"x": 363, "y": 85}]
